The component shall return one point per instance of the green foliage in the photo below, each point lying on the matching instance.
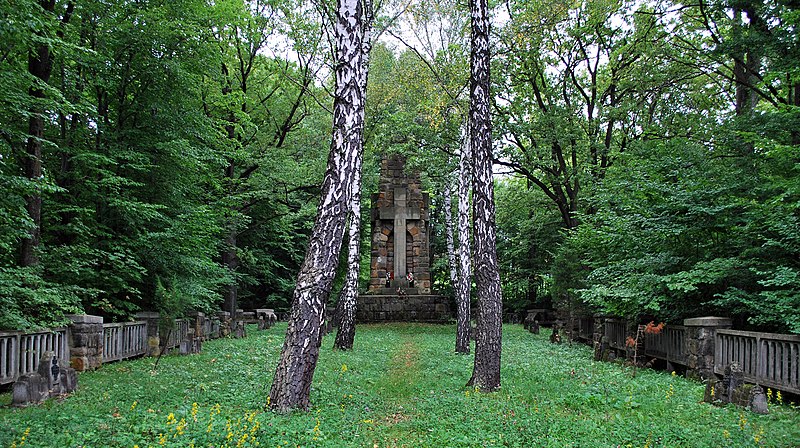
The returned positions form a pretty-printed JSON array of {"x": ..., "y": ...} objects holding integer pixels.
[
  {"x": 681, "y": 231},
  {"x": 527, "y": 233},
  {"x": 136, "y": 204},
  {"x": 404, "y": 386}
]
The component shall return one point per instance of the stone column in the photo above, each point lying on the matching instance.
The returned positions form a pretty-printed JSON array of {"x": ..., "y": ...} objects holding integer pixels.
[
  {"x": 153, "y": 338},
  {"x": 197, "y": 322},
  {"x": 700, "y": 334},
  {"x": 85, "y": 341},
  {"x": 224, "y": 323}
]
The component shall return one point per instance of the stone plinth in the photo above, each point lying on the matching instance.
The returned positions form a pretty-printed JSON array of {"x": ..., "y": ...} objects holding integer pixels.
[
  {"x": 392, "y": 308},
  {"x": 700, "y": 334},
  {"x": 86, "y": 342},
  {"x": 153, "y": 338},
  {"x": 224, "y": 323}
]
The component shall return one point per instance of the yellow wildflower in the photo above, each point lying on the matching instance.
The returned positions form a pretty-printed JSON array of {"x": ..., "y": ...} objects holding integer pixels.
[
  {"x": 171, "y": 419},
  {"x": 181, "y": 427},
  {"x": 344, "y": 368},
  {"x": 162, "y": 439},
  {"x": 195, "y": 408},
  {"x": 133, "y": 406},
  {"x": 779, "y": 397}
]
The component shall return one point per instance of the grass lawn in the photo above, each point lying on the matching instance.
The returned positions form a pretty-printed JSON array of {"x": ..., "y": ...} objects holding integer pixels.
[{"x": 401, "y": 386}]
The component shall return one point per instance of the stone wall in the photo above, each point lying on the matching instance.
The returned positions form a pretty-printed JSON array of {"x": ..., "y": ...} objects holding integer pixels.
[{"x": 415, "y": 308}]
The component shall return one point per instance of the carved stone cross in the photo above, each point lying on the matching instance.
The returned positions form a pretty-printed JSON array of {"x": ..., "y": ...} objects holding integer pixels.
[{"x": 401, "y": 213}]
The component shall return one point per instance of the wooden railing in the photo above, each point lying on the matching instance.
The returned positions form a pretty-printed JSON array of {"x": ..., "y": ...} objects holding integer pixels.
[
  {"x": 669, "y": 344},
  {"x": 211, "y": 328},
  {"x": 768, "y": 359},
  {"x": 586, "y": 328},
  {"x": 124, "y": 340},
  {"x": 179, "y": 333},
  {"x": 20, "y": 351},
  {"x": 615, "y": 333}
]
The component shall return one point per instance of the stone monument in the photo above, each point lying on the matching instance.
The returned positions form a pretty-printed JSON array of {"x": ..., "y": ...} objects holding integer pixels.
[
  {"x": 400, "y": 237},
  {"x": 400, "y": 274}
]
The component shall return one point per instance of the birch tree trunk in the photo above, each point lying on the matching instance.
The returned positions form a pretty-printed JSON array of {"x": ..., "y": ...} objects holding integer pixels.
[
  {"x": 486, "y": 370},
  {"x": 449, "y": 229},
  {"x": 346, "y": 333},
  {"x": 292, "y": 382},
  {"x": 464, "y": 254}
]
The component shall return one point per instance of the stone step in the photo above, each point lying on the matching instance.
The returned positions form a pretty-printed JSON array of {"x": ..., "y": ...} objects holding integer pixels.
[{"x": 394, "y": 291}]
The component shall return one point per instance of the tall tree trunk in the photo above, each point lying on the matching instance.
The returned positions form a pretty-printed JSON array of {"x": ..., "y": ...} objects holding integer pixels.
[
  {"x": 292, "y": 382},
  {"x": 449, "y": 230},
  {"x": 747, "y": 63},
  {"x": 346, "y": 333},
  {"x": 464, "y": 284},
  {"x": 229, "y": 258},
  {"x": 486, "y": 370},
  {"x": 40, "y": 65}
]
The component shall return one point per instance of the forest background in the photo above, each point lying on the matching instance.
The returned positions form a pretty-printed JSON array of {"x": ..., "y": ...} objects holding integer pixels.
[{"x": 167, "y": 155}]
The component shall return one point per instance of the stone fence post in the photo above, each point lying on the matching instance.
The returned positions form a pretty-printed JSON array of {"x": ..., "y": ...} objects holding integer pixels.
[
  {"x": 224, "y": 323},
  {"x": 153, "y": 337},
  {"x": 85, "y": 341},
  {"x": 700, "y": 334}
]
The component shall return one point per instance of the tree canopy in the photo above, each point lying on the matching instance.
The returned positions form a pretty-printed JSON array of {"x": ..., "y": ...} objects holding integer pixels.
[{"x": 168, "y": 155}]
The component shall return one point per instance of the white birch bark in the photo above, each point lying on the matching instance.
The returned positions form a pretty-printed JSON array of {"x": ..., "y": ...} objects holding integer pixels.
[
  {"x": 293, "y": 375},
  {"x": 464, "y": 284},
  {"x": 345, "y": 334},
  {"x": 449, "y": 229},
  {"x": 486, "y": 370}
]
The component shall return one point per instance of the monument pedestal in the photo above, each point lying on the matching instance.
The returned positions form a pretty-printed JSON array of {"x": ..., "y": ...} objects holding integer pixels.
[{"x": 375, "y": 308}]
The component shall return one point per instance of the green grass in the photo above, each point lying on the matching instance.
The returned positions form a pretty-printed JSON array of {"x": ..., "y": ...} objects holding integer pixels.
[{"x": 401, "y": 386}]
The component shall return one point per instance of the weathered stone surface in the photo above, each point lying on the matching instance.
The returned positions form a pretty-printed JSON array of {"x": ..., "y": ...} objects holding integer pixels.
[
  {"x": 153, "y": 337},
  {"x": 700, "y": 335},
  {"x": 393, "y": 308},
  {"x": 85, "y": 319},
  {"x": 758, "y": 400},
  {"x": 710, "y": 321},
  {"x": 49, "y": 380},
  {"x": 86, "y": 342},
  {"x": 400, "y": 237}
]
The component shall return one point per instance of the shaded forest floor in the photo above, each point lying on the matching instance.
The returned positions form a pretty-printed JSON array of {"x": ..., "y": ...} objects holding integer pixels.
[{"x": 401, "y": 386}]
